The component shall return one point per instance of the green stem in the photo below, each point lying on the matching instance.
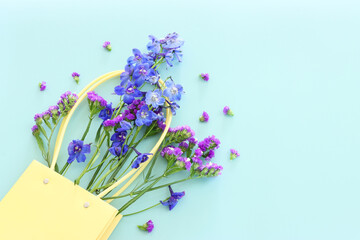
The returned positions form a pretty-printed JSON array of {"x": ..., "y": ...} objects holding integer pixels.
[
  {"x": 87, "y": 128},
  {"x": 152, "y": 189},
  {"x": 126, "y": 215},
  {"x": 138, "y": 196}
]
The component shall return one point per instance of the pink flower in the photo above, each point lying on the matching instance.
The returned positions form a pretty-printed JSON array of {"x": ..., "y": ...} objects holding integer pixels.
[
  {"x": 42, "y": 86},
  {"x": 205, "y": 76}
]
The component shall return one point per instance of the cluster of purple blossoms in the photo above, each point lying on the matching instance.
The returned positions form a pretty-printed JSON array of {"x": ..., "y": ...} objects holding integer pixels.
[
  {"x": 96, "y": 103},
  {"x": 148, "y": 226},
  {"x": 204, "y": 117},
  {"x": 205, "y": 76},
  {"x": 234, "y": 154},
  {"x": 181, "y": 133},
  {"x": 171, "y": 153},
  {"x": 227, "y": 111},
  {"x": 94, "y": 97},
  {"x": 42, "y": 86},
  {"x": 107, "y": 45},
  {"x": 75, "y": 76},
  {"x": 183, "y": 162},
  {"x": 35, "y": 130},
  {"x": 109, "y": 123},
  {"x": 66, "y": 102},
  {"x": 209, "y": 143},
  {"x": 132, "y": 109},
  {"x": 209, "y": 170}
]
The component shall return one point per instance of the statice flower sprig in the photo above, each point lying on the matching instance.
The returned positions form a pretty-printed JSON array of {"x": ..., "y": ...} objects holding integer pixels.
[
  {"x": 228, "y": 111},
  {"x": 148, "y": 226},
  {"x": 107, "y": 46},
  {"x": 76, "y": 76},
  {"x": 234, "y": 154},
  {"x": 204, "y": 117},
  {"x": 42, "y": 86}
]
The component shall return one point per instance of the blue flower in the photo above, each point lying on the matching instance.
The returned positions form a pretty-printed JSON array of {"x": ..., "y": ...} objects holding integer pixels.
[
  {"x": 173, "y": 91},
  {"x": 173, "y": 106},
  {"x": 142, "y": 157},
  {"x": 154, "y": 98},
  {"x": 144, "y": 116},
  {"x": 169, "y": 56},
  {"x": 141, "y": 73},
  {"x": 126, "y": 75},
  {"x": 153, "y": 77},
  {"x": 154, "y": 45},
  {"x": 172, "y": 41},
  {"x": 119, "y": 137},
  {"x": 118, "y": 150},
  {"x": 137, "y": 58},
  {"x": 129, "y": 92},
  {"x": 174, "y": 198},
  {"x": 107, "y": 112},
  {"x": 77, "y": 150}
]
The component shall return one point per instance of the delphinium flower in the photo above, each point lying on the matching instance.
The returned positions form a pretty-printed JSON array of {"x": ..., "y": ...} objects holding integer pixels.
[
  {"x": 145, "y": 116},
  {"x": 205, "y": 76},
  {"x": 141, "y": 157},
  {"x": 126, "y": 76},
  {"x": 107, "y": 45},
  {"x": 42, "y": 86},
  {"x": 204, "y": 117},
  {"x": 66, "y": 102},
  {"x": 143, "y": 72},
  {"x": 129, "y": 92},
  {"x": 154, "y": 98},
  {"x": 148, "y": 226},
  {"x": 174, "y": 198},
  {"x": 173, "y": 91},
  {"x": 234, "y": 154},
  {"x": 107, "y": 112},
  {"x": 227, "y": 111},
  {"x": 77, "y": 150},
  {"x": 75, "y": 76}
]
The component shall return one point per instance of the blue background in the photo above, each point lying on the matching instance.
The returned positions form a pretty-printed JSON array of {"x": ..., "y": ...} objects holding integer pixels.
[{"x": 288, "y": 69}]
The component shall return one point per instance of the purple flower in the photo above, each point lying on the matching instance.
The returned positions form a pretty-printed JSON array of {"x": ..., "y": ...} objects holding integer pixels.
[
  {"x": 126, "y": 75},
  {"x": 154, "y": 98},
  {"x": 148, "y": 226},
  {"x": 227, "y": 111},
  {"x": 183, "y": 162},
  {"x": 107, "y": 45},
  {"x": 204, "y": 117},
  {"x": 171, "y": 153},
  {"x": 184, "y": 145},
  {"x": 174, "y": 198},
  {"x": 77, "y": 150},
  {"x": 172, "y": 41},
  {"x": 209, "y": 143},
  {"x": 233, "y": 154},
  {"x": 205, "y": 76},
  {"x": 109, "y": 123},
  {"x": 173, "y": 91},
  {"x": 129, "y": 92},
  {"x": 198, "y": 152},
  {"x": 142, "y": 72},
  {"x": 144, "y": 116},
  {"x": 95, "y": 98},
  {"x": 119, "y": 150},
  {"x": 75, "y": 76},
  {"x": 209, "y": 170},
  {"x": 42, "y": 86},
  {"x": 138, "y": 57},
  {"x": 119, "y": 137},
  {"x": 161, "y": 125},
  {"x": 181, "y": 133},
  {"x": 107, "y": 112},
  {"x": 154, "y": 45},
  {"x": 142, "y": 157},
  {"x": 35, "y": 130},
  {"x": 173, "y": 106}
]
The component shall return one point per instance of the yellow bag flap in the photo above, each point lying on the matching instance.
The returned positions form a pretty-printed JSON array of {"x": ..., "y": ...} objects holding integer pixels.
[{"x": 44, "y": 205}]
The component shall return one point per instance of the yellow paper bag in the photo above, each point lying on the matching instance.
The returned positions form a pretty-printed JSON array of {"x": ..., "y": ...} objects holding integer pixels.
[{"x": 44, "y": 205}]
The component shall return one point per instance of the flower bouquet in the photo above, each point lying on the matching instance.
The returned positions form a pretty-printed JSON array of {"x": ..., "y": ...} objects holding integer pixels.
[{"x": 43, "y": 204}]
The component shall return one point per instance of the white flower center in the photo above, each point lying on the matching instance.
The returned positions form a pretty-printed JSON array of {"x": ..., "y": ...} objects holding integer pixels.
[
  {"x": 174, "y": 90},
  {"x": 144, "y": 114}
]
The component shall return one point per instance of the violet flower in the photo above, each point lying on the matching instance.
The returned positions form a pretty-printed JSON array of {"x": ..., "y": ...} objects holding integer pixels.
[
  {"x": 234, "y": 154},
  {"x": 130, "y": 93},
  {"x": 205, "y": 76},
  {"x": 142, "y": 157},
  {"x": 145, "y": 116},
  {"x": 148, "y": 226},
  {"x": 174, "y": 198},
  {"x": 204, "y": 117},
  {"x": 107, "y": 45},
  {"x": 154, "y": 98},
  {"x": 227, "y": 111},
  {"x": 173, "y": 91},
  {"x": 77, "y": 150},
  {"x": 75, "y": 76},
  {"x": 107, "y": 112},
  {"x": 42, "y": 86}
]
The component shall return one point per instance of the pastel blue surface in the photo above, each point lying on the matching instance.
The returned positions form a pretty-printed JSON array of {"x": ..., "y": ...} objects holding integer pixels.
[{"x": 288, "y": 69}]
